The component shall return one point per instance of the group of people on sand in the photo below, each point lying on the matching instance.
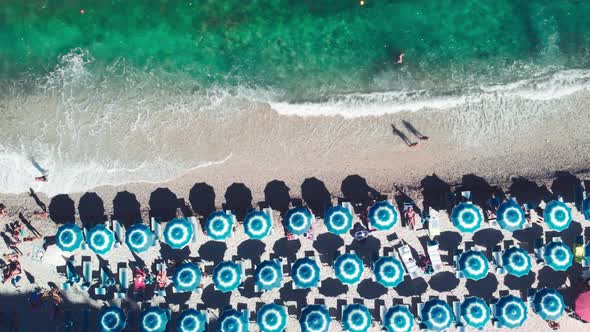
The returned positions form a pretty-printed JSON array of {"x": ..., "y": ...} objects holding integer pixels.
[
  {"x": 52, "y": 299},
  {"x": 11, "y": 269}
]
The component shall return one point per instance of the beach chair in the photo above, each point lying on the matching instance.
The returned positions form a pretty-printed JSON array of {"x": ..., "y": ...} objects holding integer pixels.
[
  {"x": 409, "y": 262},
  {"x": 105, "y": 282},
  {"x": 459, "y": 326},
  {"x": 433, "y": 223},
  {"x": 579, "y": 255},
  {"x": 123, "y": 282},
  {"x": 119, "y": 233},
  {"x": 71, "y": 275},
  {"x": 86, "y": 274},
  {"x": 539, "y": 245},
  {"x": 497, "y": 260},
  {"x": 434, "y": 254}
]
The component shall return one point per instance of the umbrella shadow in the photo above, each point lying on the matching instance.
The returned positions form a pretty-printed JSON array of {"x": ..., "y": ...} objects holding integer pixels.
[
  {"x": 488, "y": 237},
  {"x": 568, "y": 186},
  {"x": 316, "y": 195},
  {"x": 238, "y": 199},
  {"x": 411, "y": 287},
  {"x": 550, "y": 278},
  {"x": 163, "y": 203},
  {"x": 248, "y": 291},
  {"x": 449, "y": 241},
  {"x": 527, "y": 191},
  {"x": 91, "y": 209},
  {"x": 483, "y": 288},
  {"x": 332, "y": 287},
  {"x": 62, "y": 209},
  {"x": 202, "y": 199},
  {"x": 251, "y": 250},
  {"x": 357, "y": 191},
  {"x": 443, "y": 281},
  {"x": 276, "y": 194},
  {"x": 481, "y": 190},
  {"x": 214, "y": 299},
  {"x": 288, "y": 294},
  {"x": 529, "y": 235},
  {"x": 369, "y": 289},
  {"x": 435, "y": 193},
  {"x": 569, "y": 234},
  {"x": 179, "y": 255},
  {"x": 286, "y": 248},
  {"x": 520, "y": 283},
  {"x": 367, "y": 249},
  {"x": 327, "y": 244},
  {"x": 212, "y": 251},
  {"x": 126, "y": 208}
]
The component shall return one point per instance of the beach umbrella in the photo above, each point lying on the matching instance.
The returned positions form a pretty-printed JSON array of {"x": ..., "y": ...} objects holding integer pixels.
[
  {"x": 191, "y": 320},
  {"x": 349, "y": 268},
  {"x": 69, "y": 237},
  {"x": 557, "y": 215},
  {"x": 475, "y": 312},
  {"x": 517, "y": 261},
  {"x": 298, "y": 220},
  {"x": 100, "y": 239},
  {"x": 383, "y": 215},
  {"x": 315, "y": 318},
  {"x": 510, "y": 216},
  {"x": 111, "y": 319},
  {"x": 305, "y": 273},
  {"x": 139, "y": 238},
  {"x": 586, "y": 208},
  {"x": 511, "y": 311},
  {"x": 356, "y": 318},
  {"x": 227, "y": 276},
  {"x": 389, "y": 271},
  {"x": 268, "y": 275},
  {"x": 272, "y": 318},
  {"x": 558, "y": 256},
  {"x": 219, "y": 225},
  {"x": 178, "y": 233},
  {"x": 338, "y": 219},
  {"x": 153, "y": 319},
  {"x": 257, "y": 224},
  {"x": 437, "y": 315},
  {"x": 232, "y": 320},
  {"x": 548, "y": 304},
  {"x": 582, "y": 306},
  {"x": 467, "y": 217},
  {"x": 473, "y": 264},
  {"x": 187, "y": 277},
  {"x": 398, "y": 319}
]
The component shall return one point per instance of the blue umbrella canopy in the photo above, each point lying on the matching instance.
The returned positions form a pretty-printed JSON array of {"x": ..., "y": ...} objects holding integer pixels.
[
  {"x": 257, "y": 224},
  {"x": 511, "y": 311},
  {"x": 111, "y": 319},
  {"x": 187, "y": 277},
  {"x": 268, "y": 275},
  {"x": 383, "y": 215},
  {"x": 349, "y": 268},
  {"x": 510, "y": 216},
  {"x": 68, "y": 237},
  {"x": 437, "y": 315},
  {"x": 232, "y": 321},
  {"x": 178, "y": 233},
  {"x": 338, "y": 219},
  {"x": 305, "y": 273},
  {"x": 475, "y": 312},
  {"x": 356, "y": 318},
  {"x": 219, "y": 225},
  {"x": 100, "y": 239},
  {"x": 517, "y": 261},
  {"x": 467, "y": 217},
  {"x": 139, "y": 238},
  {"x": 153, "y": 319},
  {"x": 389, "y": 271},
  {"x": 586, "y": 208},
  {"x": 298, "y": 220},
  {"x": 558, "y": 256},
  {"x": 191, "y": 320},
  {"x": 548, "y": 304},
  {"x": 557, "y": 215},
  {"x": 227, "y": 276},
  {"x": 474, "y": 265},
  {"x": 272, "y": 318},
  {"x": 315, "y": 318},
  {"x": 398, "y": 319}
]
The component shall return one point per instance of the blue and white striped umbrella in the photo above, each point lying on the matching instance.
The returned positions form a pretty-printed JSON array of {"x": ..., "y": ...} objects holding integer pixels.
[
  {"x": 475, "y": 312},
  {"x": 548, "y": 304},
  {"x": 389, "y": 271},
  {"x": 586, "y": 208},
  {"x": 232, "y": 321},
  {"x": 467, "y": 217},
  {"x": 305, "y": 273},
  {"x": 437, "y": 315},
  {"x": 338, "y": 219},
  {"x": 298, "y": 220},
  {"x": 219, "y": 225},
  {"x": 474, "y": 265},
  {"x": 383, "y": 215},
  {"x": 153, "y": 319},
  {"x": 272, "y": 318},
  {"x": 69, "y": 237},
  {"x": 111, "y": 319},
  {"x": 510, "y": 216},
  {"x": 356, "y": 318},
  {"x": 349, "y": 268},
  {"x": 100, "y": 239},
  {"x": 187, "y": 277},
  {"x": 268, "y": 275},
  {"x": 227, "y": 276},
  {"x": 557, "y": 215},
  {"x": 139, "y": 238},
  {"x": 315, "y": 318},
  {"x": 511, "y": 311},
  {"x": 558, "y": 256},
  {"x": 398, "y": 319},
  {"x": 257, "y": 225},
  {"x": 178, "y": 233},
  {"x": 191, "y": 320},
  {"x": 517, "y": 261}
]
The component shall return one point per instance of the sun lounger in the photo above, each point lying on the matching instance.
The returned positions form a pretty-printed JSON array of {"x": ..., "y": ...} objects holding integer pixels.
[
  {"x": 498, "y": 261},
  {"x": 123, "y": 282},
  {"x": 86, "y": 275},
  {"x": 119, "y": 233},
  {"x": 105, "y": 282},
  {"x": 84, "y": 244},
  {"x": 466, "y": 195},
  {"x": 530, "y": 294},
  {"x": 434, "y": 254},
  {"x": 409, "y": 261},
  {"x": 433, "y": 223},
  {"x": 419, "y": 307},
  {"x": 71, "y": 275},
  {"x": 195, "y": 223},
  {"x": 556, "y": 239},
  {"x": 538, "y": 248}
]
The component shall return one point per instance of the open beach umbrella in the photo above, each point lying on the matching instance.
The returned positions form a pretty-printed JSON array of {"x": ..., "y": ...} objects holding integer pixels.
[
  {"x": 232, "y": 320},
  {"x": 398, "y": 319},
  {"x": 389, "y": 271},
  {"x": 510, "y": 216},
  {"x": 548, "y": 304},
  {"x": 219, "y": 225},
  {"x": 100, "y": 239},
  {"x": 517, "y": 261},
  {"x": 467, "y": 217},
  {"x": 349, "y": 268},
  {"x": 315, "y": 318},
  {"x": 437, "y": 315},
  {"x": 69, "y": 237},
  {"x": 268, "y": 275},
  {"x": 187, "y": 277},
  {"x": 111, "y": 319},
  {"x": 298, "y": 220},
  {"x": 356, "y": 318},
  {"x": 272, "y": 318},
  {"x": 139, "y": 238},
  {"x": 582, "y": 306},
  {"x": 338, "y": 219},
  {"x": 257, "y": 225},
  {"x": 178, "y": 233},
  {"x": 586, "y": 208},
  {"x": 305, "y": 273},
  {"x": 558, "y": 256},
  {"x": 473, "y": 264},
  {"x": 557, "y": 215},
  {"x": 383, "y": 215},
  {"x": 511, "y": 311},
  {"x": 227, "y": 276},
  {"x": 153, "y": 319},
  {"x": 475, "y": 312},
  {"x": 191, "y": 320}
]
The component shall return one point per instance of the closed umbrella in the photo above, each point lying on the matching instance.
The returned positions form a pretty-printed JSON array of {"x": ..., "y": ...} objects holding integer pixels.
[
  {"x": 227, "y": 276},
  {"x": 111, "y": 319},
  {"x": 475, "y": 312},
  {"x": 272, "y": 318},
  {"x": 315, "y": 318},
  {"x": 474, "y": 265},
  {"x": 100, "y": 239},
  {"x": 257, "y": 225},
  {"x": 437, "y": 315},
  {"x": 153, "y": 319},
  {"x": 178, "y": 233},
  {"x": 139, "y": 238},
  {"x": 398, "y": 319},
  {"x": 187, "y": 277},
  {"x": 191, "y": 320},
  {"x": 517, "y": 261},
  {"x": 467, "y": 217},
  {"x": 511, "y": 311},
  {"x": 356, "y": 318},
  {"x": 548, "y": 304},
  {"x": 338, "y": 219},
  {"x": 232, "y": 321},
  {"x": 389, "y": 271},
  {"x": 510, "y": 216},
  {"x": 305, "y": 273},
  {"x": 268, "y": 275},
  {"x": 557, "y": 215},
  {"x": 383, "y": 215},
  {"x": 298, "y": 220},
  {"x": 219, "y": 225},
  {"x": 558, "y": 256},
  {"x": 349, "y": 268},
  {"x": 68, "y": 237}
]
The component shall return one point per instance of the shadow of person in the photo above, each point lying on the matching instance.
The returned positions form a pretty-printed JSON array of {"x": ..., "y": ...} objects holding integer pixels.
[
  {"x": 413, "y": 130},
  {"x": 38, "y": 201},
  {"x": 202, "y": 198},
  {"x": 316, "y": 195},
  {"x": 276, "y": 194},
  {"x": 403, "y": 136},
  {"x": 126, "y": 208},
  {"x": 62, "y": 209},
  {"x": 91, "y": 209},
  {"x": 163, "y": 203},
  {"x": 238, "y": 199}
]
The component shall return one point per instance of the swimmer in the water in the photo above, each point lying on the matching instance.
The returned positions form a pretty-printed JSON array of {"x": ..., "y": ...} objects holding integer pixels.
[{"x": 400, "y": 60}]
